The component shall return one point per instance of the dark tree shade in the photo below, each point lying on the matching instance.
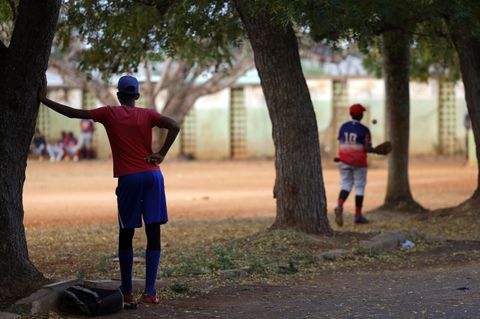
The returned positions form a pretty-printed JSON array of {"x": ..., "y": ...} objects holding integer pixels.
[{"x": 22, "y": 66}]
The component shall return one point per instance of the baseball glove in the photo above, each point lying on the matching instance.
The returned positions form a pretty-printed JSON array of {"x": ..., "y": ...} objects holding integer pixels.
[{"x": 382, "y": 149}]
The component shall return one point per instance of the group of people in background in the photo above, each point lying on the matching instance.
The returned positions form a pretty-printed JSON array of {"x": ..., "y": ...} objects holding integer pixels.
[{"x": 67, "y": 146}]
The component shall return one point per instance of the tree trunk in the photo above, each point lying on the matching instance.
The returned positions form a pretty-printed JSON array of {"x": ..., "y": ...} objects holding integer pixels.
[
  {"x": 22, "y": 66},
  {"x": 396, "y": 60},
  {"x": 299, "y": 188},
  {"x": 468, "y": 50},
  {"x": 178, "y": 106}
]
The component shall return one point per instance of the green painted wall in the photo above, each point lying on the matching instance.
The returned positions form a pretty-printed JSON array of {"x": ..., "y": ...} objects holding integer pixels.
[
  {"x": 213, "y": 128},
  {"x": 259, "y": 127},
  {"x": 213, "y": 118},
  {"x": 212, "y": 133},
  {"x": 423, "y": 126}
]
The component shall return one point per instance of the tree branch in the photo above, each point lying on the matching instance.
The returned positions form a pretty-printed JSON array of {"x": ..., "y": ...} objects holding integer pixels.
[
  {"x": 321, "y": 57},
  {"x": 149, "y": 3},
  {"x": 222, "y": 80},
  {"x": 161, "y": 5},
  {"x": 431, "y": 35},
  {"x": 149, "y": 89},
  {"x": 180, "y": 74},
  {"x": 13, "y": 8},
  {"x": 163, "y": 79},
  {"x": 71, "y": 76},
  {"x": 148, "y": 77},
  {"x": 194, "y": 75},
  {"x": 66, "y": 71},
  {"x": 182, "y": 96},
  {"x": 102, "y": 92},
  {"x": 74, "y": 49}
]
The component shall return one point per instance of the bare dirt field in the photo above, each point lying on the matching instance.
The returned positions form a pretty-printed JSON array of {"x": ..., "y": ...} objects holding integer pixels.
[
  {"x": 434, "y": 293},
  {"x": 219, "y": 212},
  {"x": 83, "y": 192}
]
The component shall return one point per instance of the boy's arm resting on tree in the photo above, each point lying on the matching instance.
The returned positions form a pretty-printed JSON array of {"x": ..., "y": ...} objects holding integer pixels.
[
  {"x": 173, "y": 128},
  {"x": 66, "y": 110},
  {"x": 61, "y": 108}
]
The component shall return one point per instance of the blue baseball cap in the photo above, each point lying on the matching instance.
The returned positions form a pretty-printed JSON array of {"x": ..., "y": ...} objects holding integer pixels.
[{"x": 128, "y": 85}]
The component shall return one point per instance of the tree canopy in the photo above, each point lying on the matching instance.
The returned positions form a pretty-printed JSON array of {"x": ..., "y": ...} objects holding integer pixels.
[{"x": 119, "y": 35}]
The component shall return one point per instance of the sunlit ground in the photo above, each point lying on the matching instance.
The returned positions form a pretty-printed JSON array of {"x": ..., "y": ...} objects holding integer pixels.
[{"x": 83, "y": 192}]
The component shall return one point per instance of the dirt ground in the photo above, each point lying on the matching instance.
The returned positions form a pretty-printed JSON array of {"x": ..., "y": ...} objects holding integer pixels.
[
  {"x": 432, "y": 293},
  {"x": 83, "y": 192},
  {"x": 447, "y": 286}
]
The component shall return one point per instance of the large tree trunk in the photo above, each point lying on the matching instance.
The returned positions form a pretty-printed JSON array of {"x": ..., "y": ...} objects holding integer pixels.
[
  {"x": 22, "y": 65},
  {"x": 468, "y": 50},
  {"x": 396, "y": 60},
  {"x": 299, "y": 187}
]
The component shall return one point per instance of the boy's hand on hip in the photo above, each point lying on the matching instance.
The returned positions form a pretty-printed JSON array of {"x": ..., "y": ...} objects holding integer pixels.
[{"x": 155, "y": 158}]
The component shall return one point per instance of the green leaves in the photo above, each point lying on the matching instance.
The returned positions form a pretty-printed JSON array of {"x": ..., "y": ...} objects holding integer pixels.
[
  {"x": 364, "y": 21},
  {"x": 8, "y": 13},
  {"x": 119, "y": 34}
]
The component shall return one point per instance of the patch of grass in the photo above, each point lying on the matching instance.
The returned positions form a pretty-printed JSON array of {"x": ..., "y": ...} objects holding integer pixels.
[
  {"x": 223, "y": 258},
  {"x": 81, "y": 273},
  {"x": 104, "y": 264},
  {"x": 454, "y": 226},
  {"x": 180, "y": 287},
  {"x": 189, "y": 250},
  {"x": 257, "y": 264},
  {"x": 194, "y": 253},
  {"x": 166, "y": 271},
  {"x": 191, "y": 263},
  {"x": 367, "y": 252}
]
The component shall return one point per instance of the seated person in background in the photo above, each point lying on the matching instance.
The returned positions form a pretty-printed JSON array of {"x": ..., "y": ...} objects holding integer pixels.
[
  {"x": 85, "y": 144},
  {"x": 70, "y": 145},
  {"x": 55, "y": 151},
  {"x": 38, "y": 145}
]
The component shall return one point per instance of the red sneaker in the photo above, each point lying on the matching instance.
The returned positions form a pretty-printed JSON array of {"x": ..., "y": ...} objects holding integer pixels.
[
  {"x": 129, "y": 301},
  {"x": 147, "y": 299}
]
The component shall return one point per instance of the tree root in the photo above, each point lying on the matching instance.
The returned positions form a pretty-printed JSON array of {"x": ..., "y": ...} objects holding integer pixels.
[{"x": 405, "y": 206}]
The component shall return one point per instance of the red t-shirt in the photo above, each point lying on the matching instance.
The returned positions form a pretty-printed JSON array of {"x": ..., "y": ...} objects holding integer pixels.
[{"x": 129, "y": 131}]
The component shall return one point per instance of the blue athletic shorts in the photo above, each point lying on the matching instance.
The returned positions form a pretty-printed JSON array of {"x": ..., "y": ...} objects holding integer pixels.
[{"x": 141, "y": 194}]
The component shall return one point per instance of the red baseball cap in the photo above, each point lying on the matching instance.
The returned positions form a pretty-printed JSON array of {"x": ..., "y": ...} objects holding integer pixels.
[{"x": 357, "y": 109}]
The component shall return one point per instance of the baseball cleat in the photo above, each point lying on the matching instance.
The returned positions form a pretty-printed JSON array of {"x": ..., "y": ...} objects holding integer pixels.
[
  {"x": 360, "y": 220},
  {"x": 339, "y": 215},
  {"x": 147, "y": 299},
  {"x": 129, "y": 301}
]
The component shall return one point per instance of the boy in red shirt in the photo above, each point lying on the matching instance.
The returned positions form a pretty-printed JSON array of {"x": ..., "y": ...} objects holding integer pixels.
[{"x": 140, "y": 192}]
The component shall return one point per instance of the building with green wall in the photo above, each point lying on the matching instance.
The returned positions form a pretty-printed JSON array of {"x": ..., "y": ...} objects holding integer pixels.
[{"x": 234, "y": 123}]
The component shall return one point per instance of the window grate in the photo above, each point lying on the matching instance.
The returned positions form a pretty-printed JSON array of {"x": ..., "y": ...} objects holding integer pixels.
[
  {"x": 238, "y": 124},
  {"x": 188, "y": 135},
  {"x": 446, "y": 118}
]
